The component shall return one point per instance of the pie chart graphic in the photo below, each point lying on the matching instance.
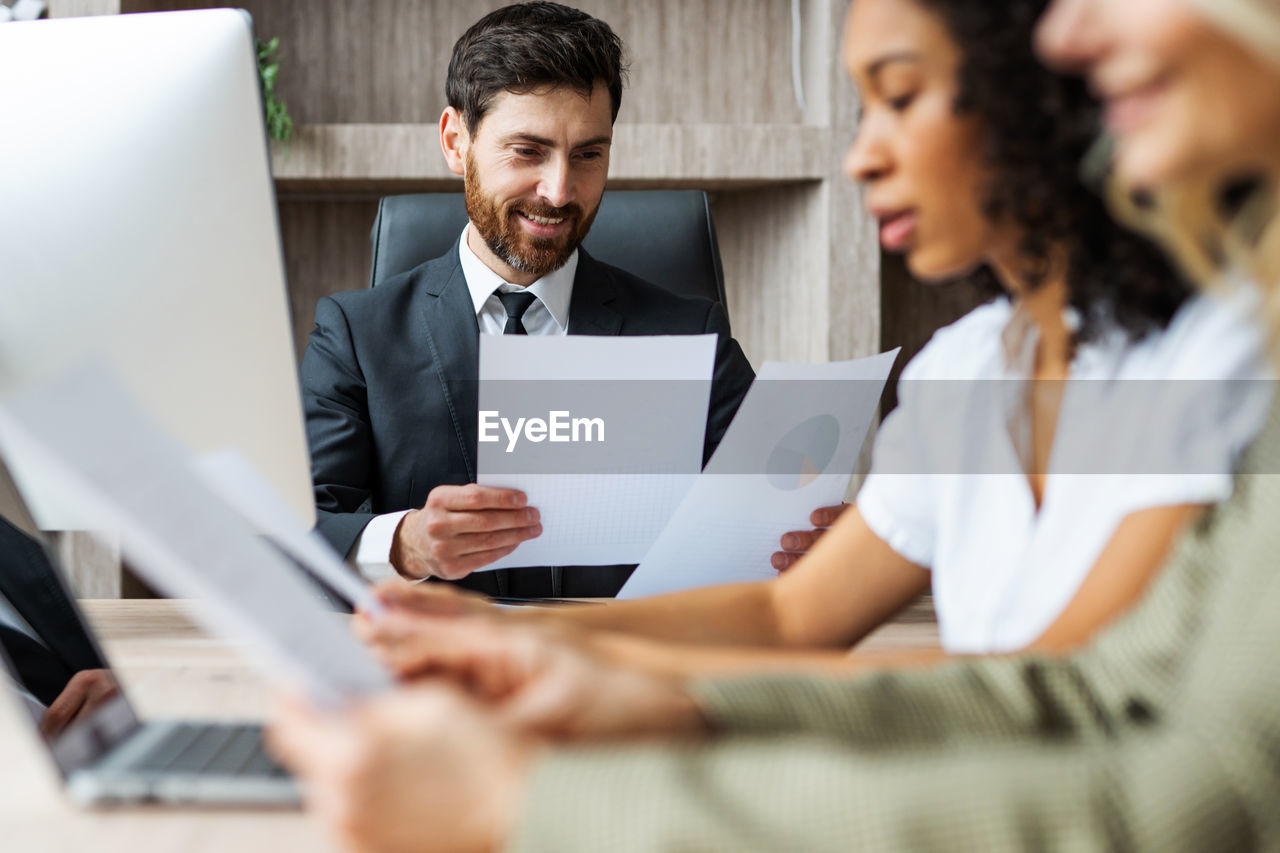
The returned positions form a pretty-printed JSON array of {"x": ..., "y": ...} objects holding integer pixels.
[{"x": 803, "y": 453}]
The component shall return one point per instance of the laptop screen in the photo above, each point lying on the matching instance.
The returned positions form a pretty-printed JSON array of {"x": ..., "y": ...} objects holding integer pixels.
[{"x": 59, "y": 675}]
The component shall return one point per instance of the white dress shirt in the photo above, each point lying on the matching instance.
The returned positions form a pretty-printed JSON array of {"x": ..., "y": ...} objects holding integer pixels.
[
  {"x": 949, "y": 490},
  {"x": 548, "y": 314}
]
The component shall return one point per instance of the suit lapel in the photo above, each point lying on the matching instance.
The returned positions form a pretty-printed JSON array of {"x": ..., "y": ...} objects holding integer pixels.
[
  {"x": 590, "y": 311},
  {"x": 452, "y": 338},
  {"x": 452, "y": 334},
  {"x": 28, "y": 583}
]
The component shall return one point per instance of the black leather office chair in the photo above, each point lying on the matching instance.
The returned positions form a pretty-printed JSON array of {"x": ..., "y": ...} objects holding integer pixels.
[{"x": 664, "y": 236}]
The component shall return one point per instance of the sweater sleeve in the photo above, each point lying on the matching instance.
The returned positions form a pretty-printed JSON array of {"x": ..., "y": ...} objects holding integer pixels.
[
  {"x": 799, "y": 793},
  {"x": 1162, "y": 736}
]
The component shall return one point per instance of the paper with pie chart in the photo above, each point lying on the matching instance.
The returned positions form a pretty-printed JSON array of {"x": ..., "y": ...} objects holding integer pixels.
[{"x": 791, "y": 448}]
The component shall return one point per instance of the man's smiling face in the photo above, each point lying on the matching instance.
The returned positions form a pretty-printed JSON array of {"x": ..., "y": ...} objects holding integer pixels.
[{"x": 535, "y": 172}]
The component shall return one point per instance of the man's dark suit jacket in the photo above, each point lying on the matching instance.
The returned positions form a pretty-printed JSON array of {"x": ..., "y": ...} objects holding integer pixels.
[
  {"x": 389, "y": 385},
  {"x": 27, "y": 582}
]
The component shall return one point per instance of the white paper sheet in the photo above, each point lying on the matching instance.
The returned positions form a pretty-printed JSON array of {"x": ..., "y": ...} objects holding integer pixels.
[
  {"x": 127, "y": 476},
  {"x": 791, "y": 448},
  {"x": 234, "y": 479},
  {"x": 600, "y": 503}
]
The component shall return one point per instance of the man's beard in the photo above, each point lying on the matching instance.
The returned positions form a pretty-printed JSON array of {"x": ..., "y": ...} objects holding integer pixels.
[{"x": 497, "y": 226}]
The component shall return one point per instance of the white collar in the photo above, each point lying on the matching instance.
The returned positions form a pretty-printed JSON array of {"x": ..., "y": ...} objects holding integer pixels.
[
  {"x": 554, "y": 290},
  {"x": 1094, "y": 359}
]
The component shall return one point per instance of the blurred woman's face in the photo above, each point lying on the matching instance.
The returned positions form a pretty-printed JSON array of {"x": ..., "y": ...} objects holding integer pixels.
[
  {"x": 1183, "y": 99},
  {"x": 920, "y": 161}
]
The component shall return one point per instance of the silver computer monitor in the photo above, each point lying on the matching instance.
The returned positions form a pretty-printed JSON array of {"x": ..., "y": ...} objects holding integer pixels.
[{"x": 138, "y": 227}]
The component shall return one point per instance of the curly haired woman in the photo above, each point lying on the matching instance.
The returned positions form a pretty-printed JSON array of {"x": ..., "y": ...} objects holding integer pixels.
[{"x": 1038, "y": 466}]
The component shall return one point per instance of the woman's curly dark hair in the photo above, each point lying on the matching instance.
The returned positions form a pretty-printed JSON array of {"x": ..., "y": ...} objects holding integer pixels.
[{"x": 1038, "y": 128}]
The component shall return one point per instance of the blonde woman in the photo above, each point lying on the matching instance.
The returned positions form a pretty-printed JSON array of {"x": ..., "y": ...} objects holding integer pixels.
[
  {"x": 1171, "y": 113},
  {"x": 1162, "y": 735}
]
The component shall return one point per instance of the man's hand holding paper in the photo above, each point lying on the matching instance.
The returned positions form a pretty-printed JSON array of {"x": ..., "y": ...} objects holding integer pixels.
[
  {"x": 587, "y": 446},
  {"x": 462, "y": 529}
]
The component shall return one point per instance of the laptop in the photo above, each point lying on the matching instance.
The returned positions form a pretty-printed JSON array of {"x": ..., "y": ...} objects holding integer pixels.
[{"x": 104, "y": 753}]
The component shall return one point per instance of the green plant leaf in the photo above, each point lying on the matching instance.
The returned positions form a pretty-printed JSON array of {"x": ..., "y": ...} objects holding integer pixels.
[{"x": 276, "y": 115}]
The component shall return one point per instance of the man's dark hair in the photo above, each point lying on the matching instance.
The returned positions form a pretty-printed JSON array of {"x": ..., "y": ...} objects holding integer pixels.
[{"x": 526, "y": 46}]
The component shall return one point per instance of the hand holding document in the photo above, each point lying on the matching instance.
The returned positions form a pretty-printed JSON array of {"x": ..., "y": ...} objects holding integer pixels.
[
  {"x": 791, "y": 448},
  {"x": 603, "y": 434},
  {"x": 126, "y": 475}
]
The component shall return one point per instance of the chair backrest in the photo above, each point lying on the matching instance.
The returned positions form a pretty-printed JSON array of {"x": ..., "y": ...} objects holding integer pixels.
[{"x": 664, "y": 236}]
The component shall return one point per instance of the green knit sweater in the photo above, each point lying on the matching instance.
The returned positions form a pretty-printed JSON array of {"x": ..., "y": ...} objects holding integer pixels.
[{"x": 1162, "y": 735}]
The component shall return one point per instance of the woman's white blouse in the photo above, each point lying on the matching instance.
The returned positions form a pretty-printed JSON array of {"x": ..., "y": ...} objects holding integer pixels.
[{"x": 1155, "y": 423}]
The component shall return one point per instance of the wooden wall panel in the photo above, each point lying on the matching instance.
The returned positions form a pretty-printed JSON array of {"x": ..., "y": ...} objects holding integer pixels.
[
  {"x": 801, "y": 274},
  {"x": 853, "y": 275},
  {"x": 91, "y": 562},
  {"x": 397, "y": 157},
  {"x": 386, "y": 61},
  {"x": 772, "y": 242},
  {"x": 853, "y": 249},
  {"x": 715, "y": 61},
  {"x": 326, "y": 249},
  {"x": 912, "y": 311}
]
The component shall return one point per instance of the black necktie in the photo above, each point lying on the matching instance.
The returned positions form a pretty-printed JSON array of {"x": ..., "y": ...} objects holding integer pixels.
[{"x": 516, "y": 304}]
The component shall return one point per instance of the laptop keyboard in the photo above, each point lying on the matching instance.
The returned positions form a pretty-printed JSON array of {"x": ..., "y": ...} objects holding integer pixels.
[{"x": 194, "y": 748}]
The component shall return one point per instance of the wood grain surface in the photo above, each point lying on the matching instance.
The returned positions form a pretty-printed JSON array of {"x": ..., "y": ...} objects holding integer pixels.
[{"x": 171, "y": 668}]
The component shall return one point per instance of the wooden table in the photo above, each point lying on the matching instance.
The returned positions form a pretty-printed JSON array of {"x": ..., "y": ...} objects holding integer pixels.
[{"x": 171, "y": 668}]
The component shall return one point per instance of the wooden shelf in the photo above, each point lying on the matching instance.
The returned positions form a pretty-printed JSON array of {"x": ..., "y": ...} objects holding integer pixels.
[{"x": 376, "y": 159}]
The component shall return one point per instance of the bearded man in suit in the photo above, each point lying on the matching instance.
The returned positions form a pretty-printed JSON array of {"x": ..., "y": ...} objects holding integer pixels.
[{"x": 390, "y": 374}]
